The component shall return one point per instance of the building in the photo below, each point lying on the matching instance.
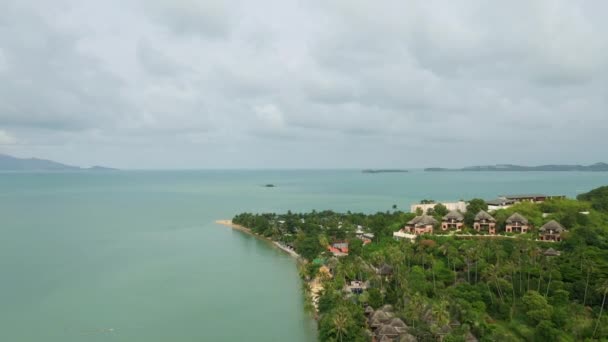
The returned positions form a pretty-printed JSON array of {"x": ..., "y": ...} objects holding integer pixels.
[
  {"x": 339, "y": 248},
  {"x": 484, "y": 222},
  {"x": 499, "y": 203},
  {"x": 460, "y": 205},
  {"x": 551, "y": 231},
  {"x": 419, "y": 225},
  {"x": 534, "y": 198},
  {"x": 453, "y": 220},
  {"x": 363, "y": 236},
  {"x": 517, "y": 223},
  {"x": 401, "y": 234}
]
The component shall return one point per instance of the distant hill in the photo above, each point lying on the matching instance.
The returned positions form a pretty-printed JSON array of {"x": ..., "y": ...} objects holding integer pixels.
[
  {"x": 510, "y": 167},
  {"x": 9, "y": 163}
]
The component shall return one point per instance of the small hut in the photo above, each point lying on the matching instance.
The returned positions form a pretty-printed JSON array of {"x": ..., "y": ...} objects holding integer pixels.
[
  {"x": 484, "y": 222},
  {"x": 517, "y": 223},
  {"x": 551, "y": 231},
  {"x": 453, "y": 220},
  {"x": 387, "y": 331},
  {"x": 419, "y": 225},
  {"x": 399, "y": 325}
]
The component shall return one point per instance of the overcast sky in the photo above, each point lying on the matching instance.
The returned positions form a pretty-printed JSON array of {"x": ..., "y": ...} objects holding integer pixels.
[{"x": 314, "y": 84}]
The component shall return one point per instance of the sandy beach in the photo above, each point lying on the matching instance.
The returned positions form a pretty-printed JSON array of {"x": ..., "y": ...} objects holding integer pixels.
[{"x": 229, "y": 223}]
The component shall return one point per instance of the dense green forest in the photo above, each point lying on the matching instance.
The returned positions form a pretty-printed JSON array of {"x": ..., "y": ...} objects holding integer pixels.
[{"x": 454, "y": 288}]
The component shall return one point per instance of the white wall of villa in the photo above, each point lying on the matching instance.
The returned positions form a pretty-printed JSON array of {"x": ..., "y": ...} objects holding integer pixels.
[{"x": 460, "y": 205}]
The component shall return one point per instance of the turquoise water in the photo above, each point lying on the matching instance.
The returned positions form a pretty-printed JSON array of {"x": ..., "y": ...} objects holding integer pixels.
[{"x": 135, "y": 255}]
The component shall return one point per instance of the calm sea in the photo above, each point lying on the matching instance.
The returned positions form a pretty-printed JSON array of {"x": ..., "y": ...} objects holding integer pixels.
[{"x": 135, "y": 255}]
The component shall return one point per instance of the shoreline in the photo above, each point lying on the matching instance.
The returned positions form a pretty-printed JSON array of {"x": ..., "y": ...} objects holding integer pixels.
[
  {"x": 229, "y": 223},
  {"x": 314, "y": 284}
]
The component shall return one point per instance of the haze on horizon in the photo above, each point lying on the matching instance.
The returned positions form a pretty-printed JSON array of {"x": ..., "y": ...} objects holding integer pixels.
[{"x": 304, "y": 84}]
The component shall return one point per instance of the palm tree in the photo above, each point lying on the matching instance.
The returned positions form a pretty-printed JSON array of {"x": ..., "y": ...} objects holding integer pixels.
[
  {"x": 603, "y": 289},
  {"x": 340, "y": 324},
  {"x": 589, "y": 269},
  {"x": 510, "y": 267}
]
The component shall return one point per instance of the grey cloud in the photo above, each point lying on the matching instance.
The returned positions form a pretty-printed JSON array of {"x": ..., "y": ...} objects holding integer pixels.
[
  {"x": 209, "y": 19},
  {"x": 226, "y": 81}
]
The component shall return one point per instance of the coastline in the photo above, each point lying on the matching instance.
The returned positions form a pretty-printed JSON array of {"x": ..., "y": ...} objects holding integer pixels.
[
  {"x": 229, "y": 223},
  {"x": 315, "y": 286}
]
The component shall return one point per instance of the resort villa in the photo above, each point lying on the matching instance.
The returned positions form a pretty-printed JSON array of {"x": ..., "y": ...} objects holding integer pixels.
[
  {"x": 551, "y": 231},
  {"x": 484, "y": 222},
  {"x": 419, "y": 225},
  {"x": 517, "y": 223},
  {"x": 454, "y": 220}
]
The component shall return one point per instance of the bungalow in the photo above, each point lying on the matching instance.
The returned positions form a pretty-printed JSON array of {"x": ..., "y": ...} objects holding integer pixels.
[
  {"x": 338, "y": 248},
  {"x": 453, "y": 220},
  {"x": 419, "y": 225},
  {"x": 551, "y": 231},
  {"x": 484, "y": 222},
  {"x": 517, "y": 223}
]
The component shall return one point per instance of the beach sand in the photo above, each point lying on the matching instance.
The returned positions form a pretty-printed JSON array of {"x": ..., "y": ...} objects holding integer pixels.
[{"x": 229, "y": 223}]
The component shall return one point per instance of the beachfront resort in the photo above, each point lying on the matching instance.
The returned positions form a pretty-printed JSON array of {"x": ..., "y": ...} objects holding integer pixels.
[
  {"x": 484, "y": 223},
  {"x": 516, "y": 269}
]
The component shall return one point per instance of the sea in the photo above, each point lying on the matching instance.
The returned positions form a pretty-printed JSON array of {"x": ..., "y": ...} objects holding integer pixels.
[{"x": 136, "y": 255}]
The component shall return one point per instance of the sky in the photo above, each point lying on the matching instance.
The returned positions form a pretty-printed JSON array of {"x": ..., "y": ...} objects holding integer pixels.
[{"x": 174, "y": 84}]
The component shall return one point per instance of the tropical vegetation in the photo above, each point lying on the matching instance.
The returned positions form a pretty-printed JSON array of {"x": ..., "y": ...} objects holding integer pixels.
[{"x": 456, "y": 288}]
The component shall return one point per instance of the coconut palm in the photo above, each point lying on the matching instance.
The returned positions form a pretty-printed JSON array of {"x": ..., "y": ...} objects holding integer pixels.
[
  {"x": 602, "y": 289},
  {"x": 340, "y": 323}
]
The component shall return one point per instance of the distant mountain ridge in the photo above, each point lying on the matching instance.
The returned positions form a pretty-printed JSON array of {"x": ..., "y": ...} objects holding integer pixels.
[
  {"x": 511, "y": 167},
  {"x": 10, "y": 163}
]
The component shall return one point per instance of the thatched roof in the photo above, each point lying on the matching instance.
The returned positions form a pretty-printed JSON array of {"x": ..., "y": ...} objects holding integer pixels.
[
  {"x": 517, "y": 217},
  {"x": 369, "y": 310},
  {"x": 422, "y": 220},
  {"x": 387, "y": 308},
  {"x": 380, "y": 316},
  {"x": 375, "y": 323},
  {"x": 408, "y": 338},
  {"x": 386, "y": 339},
  {"x": 387, "y": 330},
  {"x": 482, "y": 215},
  {"x": 552, "y": 252},
  {"x": 552, "y": 225},
  {"x": 454, "y": 215},
  {"x": 399, "y": 325}
]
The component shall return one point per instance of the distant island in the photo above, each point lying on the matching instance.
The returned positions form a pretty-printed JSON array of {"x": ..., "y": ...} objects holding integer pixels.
[
  {"x": 510, "y": 167},
  {"x": 383, "y": 171},
  {"x": 10, "y": 163}
]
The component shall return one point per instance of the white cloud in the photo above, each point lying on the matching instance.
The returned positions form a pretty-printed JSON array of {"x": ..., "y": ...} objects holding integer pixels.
[{"x": 6, "y": 138}]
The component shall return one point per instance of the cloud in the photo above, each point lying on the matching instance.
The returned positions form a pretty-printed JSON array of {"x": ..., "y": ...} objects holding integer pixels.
[
  {"x": 178, "y": 83},
  {"x": 6, "y": 138},
  {"x": 209, "y": 19}
]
